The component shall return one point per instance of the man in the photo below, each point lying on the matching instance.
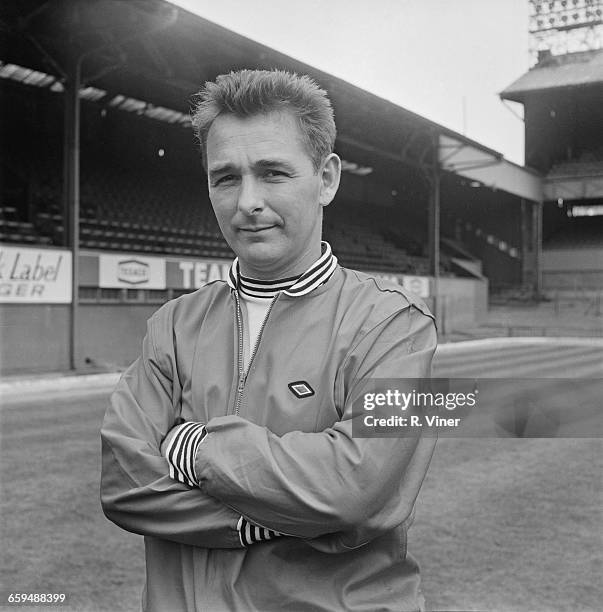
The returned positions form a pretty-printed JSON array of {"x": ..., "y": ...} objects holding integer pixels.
[{"x": 228, "y": 444}]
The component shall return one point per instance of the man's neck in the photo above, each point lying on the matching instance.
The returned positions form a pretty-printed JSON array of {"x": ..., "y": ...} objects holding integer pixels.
[{"x": 295, "y": 270}]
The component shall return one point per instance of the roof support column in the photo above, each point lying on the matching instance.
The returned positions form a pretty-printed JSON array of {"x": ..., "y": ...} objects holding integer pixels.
[
  {"x": 531, "y": 246},
  {"x": 71, "y": 195},
  {"x": 71, "y": 173},
  {"x": 433, "y": 231},
  {"x": 537, "y": 247},
  {"x": 526, "y": 245}
]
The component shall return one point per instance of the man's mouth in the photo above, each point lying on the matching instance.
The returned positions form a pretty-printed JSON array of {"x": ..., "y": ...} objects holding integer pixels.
[{"x": 256, "y": 229}]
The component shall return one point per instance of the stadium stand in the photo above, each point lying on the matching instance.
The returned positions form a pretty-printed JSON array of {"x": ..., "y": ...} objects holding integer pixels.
[
  {"x": 141, "y": 186},
  {"x": 562, "y": 97},
  {"x": 133, "y": 201}
]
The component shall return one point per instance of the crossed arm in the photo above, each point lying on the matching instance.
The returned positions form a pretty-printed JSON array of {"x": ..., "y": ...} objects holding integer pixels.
[
  {"x": 137, "y": 492},
  {"x": 332, "y": 489}
]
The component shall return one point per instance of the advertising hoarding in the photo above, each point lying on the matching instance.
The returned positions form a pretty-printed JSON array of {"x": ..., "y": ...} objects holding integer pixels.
[
  {"x": 131, "y": 271},
  {"x": 34, "y": 276}
]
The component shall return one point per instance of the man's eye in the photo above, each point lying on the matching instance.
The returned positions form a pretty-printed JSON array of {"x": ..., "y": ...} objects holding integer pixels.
[
  {"x": 275, "y": 173},
  {"x": 224, "y": 180}
]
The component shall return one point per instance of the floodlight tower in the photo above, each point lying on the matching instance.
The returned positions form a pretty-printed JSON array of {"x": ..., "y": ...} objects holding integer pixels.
[{"x": 558, "y": 27}]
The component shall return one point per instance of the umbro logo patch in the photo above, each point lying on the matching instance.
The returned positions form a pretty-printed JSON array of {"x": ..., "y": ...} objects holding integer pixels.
[{"x": 301, "y": 389}]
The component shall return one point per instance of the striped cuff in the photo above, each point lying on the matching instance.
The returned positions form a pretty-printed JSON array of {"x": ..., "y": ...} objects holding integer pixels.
[
  {"x": 182, "y": 450},
  {"x": 251, "y": 534}
]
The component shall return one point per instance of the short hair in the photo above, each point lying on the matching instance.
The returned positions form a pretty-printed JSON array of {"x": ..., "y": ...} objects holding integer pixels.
[{"x": 245, "y": 93}]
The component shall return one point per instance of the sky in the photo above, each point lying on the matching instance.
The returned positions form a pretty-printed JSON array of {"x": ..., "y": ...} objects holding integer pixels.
[{"x": 446, "y": 60}]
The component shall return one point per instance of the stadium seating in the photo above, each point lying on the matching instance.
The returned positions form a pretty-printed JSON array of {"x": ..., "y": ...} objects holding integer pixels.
[
  {"x": 371, "y": 241},
  {"x": 124, "y": 206},
  {"x": 581, "y": 233}
]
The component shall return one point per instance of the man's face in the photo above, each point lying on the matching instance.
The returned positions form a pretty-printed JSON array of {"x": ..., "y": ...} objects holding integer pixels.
[{"x": 266, "y": 194}]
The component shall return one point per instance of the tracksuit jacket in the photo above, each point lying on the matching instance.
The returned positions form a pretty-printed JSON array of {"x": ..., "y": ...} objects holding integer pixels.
[{"x": 279, "y": 449}]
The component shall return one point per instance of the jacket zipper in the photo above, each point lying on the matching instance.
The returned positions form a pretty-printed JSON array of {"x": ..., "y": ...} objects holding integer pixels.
[{"x": 243, "y": 374}]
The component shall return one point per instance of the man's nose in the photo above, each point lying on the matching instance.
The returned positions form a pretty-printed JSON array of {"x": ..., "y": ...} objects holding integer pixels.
[{"x": 251, "y": 197}]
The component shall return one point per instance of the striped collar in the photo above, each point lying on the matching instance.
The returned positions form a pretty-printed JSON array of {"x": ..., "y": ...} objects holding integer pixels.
[{"x": 317, "y": 274}]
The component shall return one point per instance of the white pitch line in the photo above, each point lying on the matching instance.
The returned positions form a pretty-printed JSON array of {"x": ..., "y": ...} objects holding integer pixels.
[
  {"x": 10, "y": 389},
  {"x": 486, "y": 343}
]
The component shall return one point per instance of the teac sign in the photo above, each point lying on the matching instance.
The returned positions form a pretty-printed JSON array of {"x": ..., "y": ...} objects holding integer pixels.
[
  {"x": 196, "y": 274},
  {"x": 30, "y": 275},
  {"x": 133, "y": 272},
  {"x": 117, "y": 271}
]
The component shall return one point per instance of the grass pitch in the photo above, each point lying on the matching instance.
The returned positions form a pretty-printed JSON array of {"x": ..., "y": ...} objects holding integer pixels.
[{"x": 502, "y": 524}]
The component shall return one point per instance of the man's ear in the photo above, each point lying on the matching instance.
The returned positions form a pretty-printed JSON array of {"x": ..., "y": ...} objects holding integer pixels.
[{"x": 330, "y": 173}]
